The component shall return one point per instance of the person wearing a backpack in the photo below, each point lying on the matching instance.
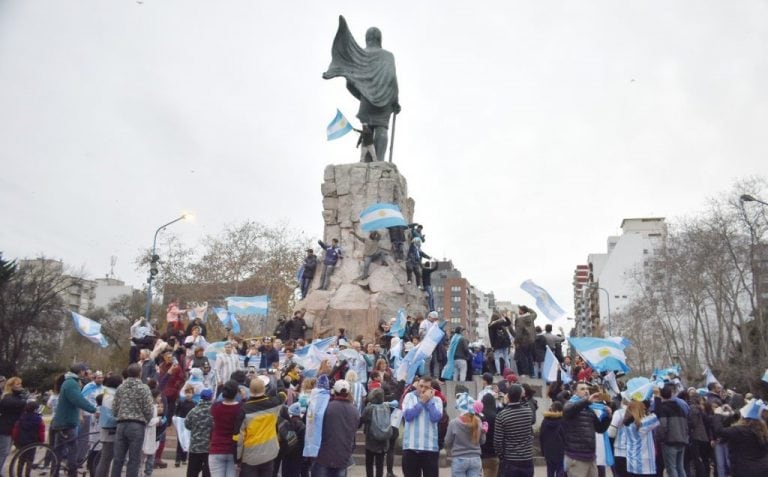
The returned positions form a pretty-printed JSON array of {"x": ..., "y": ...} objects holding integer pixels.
[
  {"x": 293, "y": 431},
  {"x": 376, "y": 422}
]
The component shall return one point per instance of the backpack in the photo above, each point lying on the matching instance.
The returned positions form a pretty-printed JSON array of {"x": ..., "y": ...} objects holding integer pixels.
[
  {"x": 287, "y": 436},
  {"x": 380, "y": 428}
]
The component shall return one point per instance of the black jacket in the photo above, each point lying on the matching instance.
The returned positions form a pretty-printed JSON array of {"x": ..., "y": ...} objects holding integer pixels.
[
  {"x": 551, "y": 436},
  {"x": 579, "y": 426},
  {"x": 498, "y": 334},
  {"x": 296, "y": 328},
  {"x": 674, "y": 424},
  {"x": 749, "y": 457}
]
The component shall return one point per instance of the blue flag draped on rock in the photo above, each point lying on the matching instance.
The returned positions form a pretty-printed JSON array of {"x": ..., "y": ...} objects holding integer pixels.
[
  {"x": 338, "y": 127},
  {"x": 380, "y": 216},
  {"x": 90, "y": 329},
  {"x": 601, "y": 354},
  {"x": 544, "y": 301},
  {"x": 248, "y": 305}
]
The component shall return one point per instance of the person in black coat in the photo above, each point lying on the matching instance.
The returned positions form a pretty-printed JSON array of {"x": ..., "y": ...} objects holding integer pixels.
[
  {"x": 552, "y": 439},
  {"x": 487, "y": 452},
  {"x": 310, "y": 265}
]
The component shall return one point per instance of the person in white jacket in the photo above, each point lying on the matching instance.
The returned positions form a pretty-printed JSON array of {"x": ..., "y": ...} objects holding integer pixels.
[{"x": 150, "y": 445}]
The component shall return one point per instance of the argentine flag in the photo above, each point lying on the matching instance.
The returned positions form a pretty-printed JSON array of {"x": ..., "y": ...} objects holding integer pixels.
[
  {"x": 544, "y": 301},
  {"x": 380, "y": 216},
  {"x": 248, "y": 305},
  {"x": 90, "y": 329},
  {"x": 398, "y": 327},
  {"x": 601, "y": 354},
  {"x": 415, "y": 357},
  {"x": 338, "y": 127},
  {"x": 311, "y": 356},
  {"x": 710, "y": 377},
  {"x": 551, "y": 367},
  {"x": 765, "y": 376},
  {"x": 228, "y": 319}
]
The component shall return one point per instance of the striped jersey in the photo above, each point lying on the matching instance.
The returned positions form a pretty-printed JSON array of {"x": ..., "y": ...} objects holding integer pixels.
[
  {"x": 421, "y": 431},
  {"x": 620, "y": 444},
  {"x": 640, "y": 450}
]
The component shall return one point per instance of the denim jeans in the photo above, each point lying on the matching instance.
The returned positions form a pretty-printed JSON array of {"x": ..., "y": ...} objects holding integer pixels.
[
  {"x": 322, "y": 471},
  {"x": 221, "y": 465},
  {"x": 305, "y": 283},
  {"x": 466, "y": 466},
  {"x": 722, "y": 459},
  {"x": 430, "y": 297},
  {"x": 370, "y": 259},
  {"x": 128, "y": 441},
  {"x": 673, "y": 460},
  {"x": 5, "y": 449},
  {"x": 325, "y": 278},
  {"x": 498, "y": 355},
  {"x": 65, "y": 446}
]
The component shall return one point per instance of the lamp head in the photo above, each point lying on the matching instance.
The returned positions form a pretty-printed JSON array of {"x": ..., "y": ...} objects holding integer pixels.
[{"x": 746, "y": 198}]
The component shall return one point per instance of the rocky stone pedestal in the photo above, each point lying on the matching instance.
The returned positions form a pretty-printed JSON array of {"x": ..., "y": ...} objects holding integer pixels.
[{"x": 359, "y": 306}]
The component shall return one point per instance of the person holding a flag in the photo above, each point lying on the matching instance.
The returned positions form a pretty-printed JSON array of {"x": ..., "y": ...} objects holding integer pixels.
[{"x": 581, "y": 424}]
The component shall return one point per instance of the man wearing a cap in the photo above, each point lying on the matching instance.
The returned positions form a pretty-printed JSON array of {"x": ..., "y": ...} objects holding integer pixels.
[
  {"x": 339, "y": 427},
  {"x": 308, "y": 271},
  {"x": 199, "y": 422},
  {"x": 257, "y": 444}
]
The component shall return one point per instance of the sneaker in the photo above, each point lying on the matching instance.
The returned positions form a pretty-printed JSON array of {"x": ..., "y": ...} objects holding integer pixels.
[
  {"x": 177, "y": 464},
  {"x": 160, "y": 465}
]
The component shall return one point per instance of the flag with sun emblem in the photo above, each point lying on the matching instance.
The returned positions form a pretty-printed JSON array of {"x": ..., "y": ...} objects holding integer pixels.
[
  {"x": 338, "y": 127},
  {"x": 601, "y": 354},
  {"x": 380, "y": 216}
]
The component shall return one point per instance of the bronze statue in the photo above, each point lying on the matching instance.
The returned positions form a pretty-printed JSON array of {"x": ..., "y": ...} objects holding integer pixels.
[{"x": 371, "y": 78}]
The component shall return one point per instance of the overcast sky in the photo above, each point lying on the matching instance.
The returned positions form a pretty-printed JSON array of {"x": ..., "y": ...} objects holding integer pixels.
[{"x": 529, "y": 130}]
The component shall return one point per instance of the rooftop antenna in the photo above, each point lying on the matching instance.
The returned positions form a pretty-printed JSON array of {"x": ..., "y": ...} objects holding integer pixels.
[{"x": 112, "y": 262}]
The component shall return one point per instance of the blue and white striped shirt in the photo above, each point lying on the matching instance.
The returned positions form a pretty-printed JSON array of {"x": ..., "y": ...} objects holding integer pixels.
[{"x": 421, "y": 423}]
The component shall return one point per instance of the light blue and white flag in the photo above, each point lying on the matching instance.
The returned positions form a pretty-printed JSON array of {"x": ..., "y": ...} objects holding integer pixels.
[
  {"x": 312, "y": 355},
  {"x": 621, "y": 341},
  {"x": 90, "y": 329},
  {"x": 415, "y": 357},
  {"x": 248, "y": 305},
  {"x": 610, "y": 381},
  {"x": 338, "y": 127},
  {"x": 667, "y": 373},
  {"x": 398, "y": 327},
  {"x": 551, "y": 367},
  {"x": 544, "y": 301},
  {"x": 710, "y": 377},
  {"x": 396, "y": 351},
  {"x": 228, "y": 319},
  {"x": 765, "y": 376},
  {"x": 380, "y": 216},
  {"x": 638, "y": 389},
  {"x": 601, "y": 354}
]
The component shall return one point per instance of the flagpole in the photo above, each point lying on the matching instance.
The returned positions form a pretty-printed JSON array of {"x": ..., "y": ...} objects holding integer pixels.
[{"x": 392, "y": 143}]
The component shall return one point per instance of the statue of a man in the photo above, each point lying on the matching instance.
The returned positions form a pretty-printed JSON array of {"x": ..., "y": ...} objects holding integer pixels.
[{"x": 371, "y": 78}]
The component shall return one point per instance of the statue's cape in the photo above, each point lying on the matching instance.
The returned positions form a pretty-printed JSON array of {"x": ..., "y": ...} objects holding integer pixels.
[{"x": 371, "y": 72}]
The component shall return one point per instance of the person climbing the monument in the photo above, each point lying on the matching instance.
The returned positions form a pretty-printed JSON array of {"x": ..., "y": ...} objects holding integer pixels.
[
  {"x": 368, "y": 150},
  {"x": 397, "y": 238},
  {"x": 371, "y": 78},
  {"x": 371, "y": 251},
  {"x": 413, "y": 262},
  {"x": 308, "y": 272},
  {"x": 332, "y": 257},
  {"x": 417, "y": 231}
]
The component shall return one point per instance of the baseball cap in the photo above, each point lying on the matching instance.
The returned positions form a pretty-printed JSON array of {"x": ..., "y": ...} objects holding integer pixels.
[
  {"x": 206, "y": 394},
  {"x": 341, "y": 387}
]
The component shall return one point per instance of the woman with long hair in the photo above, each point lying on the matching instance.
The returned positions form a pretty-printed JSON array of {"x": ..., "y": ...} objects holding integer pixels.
[
  {"x": 747, "y": 441},
  {"x": 465, "y": 435},
  {"x": 12, "y": 404},
  {"x": 638, "y": 425}
]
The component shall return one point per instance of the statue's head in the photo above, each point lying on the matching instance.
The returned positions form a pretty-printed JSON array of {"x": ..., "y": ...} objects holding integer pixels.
[{"x": 373, "y": 37}]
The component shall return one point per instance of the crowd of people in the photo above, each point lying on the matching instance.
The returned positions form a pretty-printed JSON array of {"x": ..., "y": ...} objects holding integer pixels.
[{"x": 252, "y": 406}]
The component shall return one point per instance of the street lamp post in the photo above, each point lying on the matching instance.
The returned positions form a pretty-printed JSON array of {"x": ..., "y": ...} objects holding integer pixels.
[
  {"x": 608, "y": 298},
  {"x": 153, "y": 264},
  {"x": 750, "y": 198}
]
